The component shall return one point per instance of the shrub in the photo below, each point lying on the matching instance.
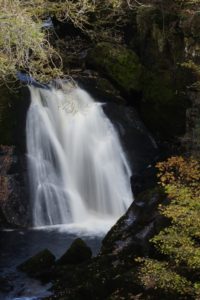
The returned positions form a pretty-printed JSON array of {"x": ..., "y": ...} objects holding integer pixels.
[
  {"x": 179, "y": 244},
  {"x": 23, "y": 44}
]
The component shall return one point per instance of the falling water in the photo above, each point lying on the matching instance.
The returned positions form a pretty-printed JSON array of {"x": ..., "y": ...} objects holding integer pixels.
[{"x": 77, "y": 168}]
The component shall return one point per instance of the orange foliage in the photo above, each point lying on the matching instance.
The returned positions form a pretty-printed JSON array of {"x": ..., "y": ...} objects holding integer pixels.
[{"x": 180, "y": 171}]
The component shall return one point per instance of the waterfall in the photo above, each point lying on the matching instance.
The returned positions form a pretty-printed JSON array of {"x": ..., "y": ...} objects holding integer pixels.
[{"x": 77, "y": 167}]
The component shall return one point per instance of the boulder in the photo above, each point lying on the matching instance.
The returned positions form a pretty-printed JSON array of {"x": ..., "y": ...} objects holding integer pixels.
[
  {"x": 39, "y": 264},
  {"x": 132, "y": 233},
  {"x": 78, "y": 253},
  {"x": 119, "y": 64}
]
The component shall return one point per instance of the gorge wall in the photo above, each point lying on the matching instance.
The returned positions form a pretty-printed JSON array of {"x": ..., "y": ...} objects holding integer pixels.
[{"x": 148, "y": 77}]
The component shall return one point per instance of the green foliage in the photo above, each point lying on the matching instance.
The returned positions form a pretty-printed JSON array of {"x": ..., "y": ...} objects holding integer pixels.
[
  {"x": 160, "y": 275},
  {"x": 180, "y": 242},
  {"x": 23, "y": 44},
  {"x": 75, "y": 11},
  {"x": 181, "y": 172}
]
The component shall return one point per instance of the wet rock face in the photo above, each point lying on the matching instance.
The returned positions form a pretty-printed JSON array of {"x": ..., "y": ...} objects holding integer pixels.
[
  {"x": 131, "y": 234},
  {"x": 139, "y": 145},
  {"x": 13, "y": 200},
  {"x": 13, "y": 109},
  {"x": 100, "y": 88},
  {"x": 137, "y": 141},
  {"x": 14, "y": 203}
]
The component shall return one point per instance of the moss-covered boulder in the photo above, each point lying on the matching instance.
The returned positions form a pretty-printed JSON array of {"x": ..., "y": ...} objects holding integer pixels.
[
  {"x": 119, "y": 64},
  {"x": 78, "y": 253},
  {"x": 39, "y": 264}
]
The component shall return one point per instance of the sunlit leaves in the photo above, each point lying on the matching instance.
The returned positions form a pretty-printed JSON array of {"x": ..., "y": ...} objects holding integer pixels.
[
  {"x": 23, "y": 44},
  {"x": 179, "y": 247},
  {"x": 160, "y": 275},
  {"x": 180, "y": 242},
  {"x": 178, "y": 170}
]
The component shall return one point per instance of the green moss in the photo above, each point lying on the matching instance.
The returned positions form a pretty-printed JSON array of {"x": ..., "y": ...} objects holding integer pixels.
[{"x": 119, "y": 64}]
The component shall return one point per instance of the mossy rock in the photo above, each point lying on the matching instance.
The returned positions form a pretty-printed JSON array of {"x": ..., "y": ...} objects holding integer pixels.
[
  {"x": 78, "y": 253},
  {"x": 38, "y": 264},
  {"x": 119, "y": 64}
]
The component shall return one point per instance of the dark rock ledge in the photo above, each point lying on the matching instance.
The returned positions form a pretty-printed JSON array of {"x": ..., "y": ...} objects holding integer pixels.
[{"x": 113, "y": 273}]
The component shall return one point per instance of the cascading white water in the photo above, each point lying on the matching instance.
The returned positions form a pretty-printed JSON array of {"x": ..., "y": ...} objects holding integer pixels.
[{"x": 77, "y": 168}]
